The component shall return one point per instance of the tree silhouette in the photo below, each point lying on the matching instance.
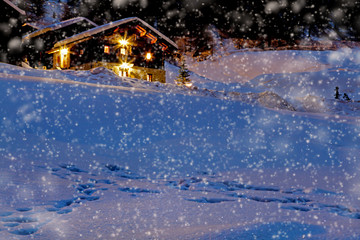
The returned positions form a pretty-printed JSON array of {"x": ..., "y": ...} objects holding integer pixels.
[
  {"x": 337, "y": 94},
  {"x": 183, "y": 77}
]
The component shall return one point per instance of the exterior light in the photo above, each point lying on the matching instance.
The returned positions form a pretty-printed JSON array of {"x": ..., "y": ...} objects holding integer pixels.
[
  {"x": 123, "y": 42},
  {"x": 188, "y": 84},
  {"x": 64, "y": 51},
  {"x": 148, "y": 56},
  {"x": 126, "y": 65}
]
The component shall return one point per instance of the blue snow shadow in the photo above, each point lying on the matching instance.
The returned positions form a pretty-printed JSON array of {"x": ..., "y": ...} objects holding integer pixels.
[
  {"x": 276, "y": 230},
  {"x": 209, "y": 200},
  {"x": 138, "y": 190},
  {"x": 64, "y": 211},
  {"x": 24, "y": 231},
  {"x": 19, "y": 220},
  {"x": 5, "y": 214},
  {"x": 24, "y": 209}
]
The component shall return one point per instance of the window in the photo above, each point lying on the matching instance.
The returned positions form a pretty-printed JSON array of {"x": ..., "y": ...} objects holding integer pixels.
[
  {"x": 123, "y": 73},
  {"x": 64, "y": 58},
  {"x": 58, "y": 60},
  {"x": 149, "y": 77},
  {"x": 123, "y": 51},
  {"x": 107, "y": 49}
]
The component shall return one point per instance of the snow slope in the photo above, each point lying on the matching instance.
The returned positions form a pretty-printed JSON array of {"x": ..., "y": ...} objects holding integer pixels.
[
  {"x": 88, "y": 155},
  {"x": 305, "y": 79},
  {"x": 241, "y": 66}
]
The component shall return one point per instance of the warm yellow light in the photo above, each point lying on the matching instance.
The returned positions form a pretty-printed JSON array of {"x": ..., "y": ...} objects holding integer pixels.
[
  {"x": 64, "y": 51},
  {"x": 123, "y": 51},
  {"x": 123, "y": 42},
  {"x": 188, "y": 84},
  {"x": 106, "y": 49},
  {"x": 148, "y": 56},
  {"x": 126, "y": 65}
]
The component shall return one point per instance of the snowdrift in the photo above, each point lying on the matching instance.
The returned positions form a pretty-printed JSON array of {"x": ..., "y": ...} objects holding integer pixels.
[
  {"x": 86, "y": 155},
  {"x": 305, "y": 79}
]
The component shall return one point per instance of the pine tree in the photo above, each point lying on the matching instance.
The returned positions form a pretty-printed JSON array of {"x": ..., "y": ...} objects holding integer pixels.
[
  {"x": 337, "y": 94},
  {"x": 183, "y": 77},
  {"x": 346, "y": 97}
]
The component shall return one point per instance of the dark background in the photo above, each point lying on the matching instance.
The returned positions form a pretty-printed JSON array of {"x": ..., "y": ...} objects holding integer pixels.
[{"x": 288, "y": 20}]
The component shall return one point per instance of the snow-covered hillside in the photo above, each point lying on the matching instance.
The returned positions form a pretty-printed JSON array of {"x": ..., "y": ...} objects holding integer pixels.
[
  {"x": 88, "y": 155},
  {"x": 305, "y": 79}
]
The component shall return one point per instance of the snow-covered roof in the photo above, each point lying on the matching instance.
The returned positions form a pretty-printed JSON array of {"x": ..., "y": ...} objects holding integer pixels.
[
  {"x": 31, "y": 25},
  {"x": 58, "y": 25},
  {"x": 110, "y": 25},
  {"x": 22, "y": 12}
]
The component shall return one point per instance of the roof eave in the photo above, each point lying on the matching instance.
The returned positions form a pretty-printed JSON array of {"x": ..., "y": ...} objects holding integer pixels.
[
  {"x": 58, "y": 26},
  {"x": 22, "y": 12},
  {"x": 110, "y": 25}
]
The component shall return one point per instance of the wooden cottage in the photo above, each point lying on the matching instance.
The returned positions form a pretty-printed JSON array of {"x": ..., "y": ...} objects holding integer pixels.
[
  {"x": 11, "y": 20},
  {"x": 130, "y": 47},
  {"x": 38, "y": 43}
]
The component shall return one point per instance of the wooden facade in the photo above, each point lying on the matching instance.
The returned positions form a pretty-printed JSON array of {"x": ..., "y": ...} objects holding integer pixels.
[{"x": 129, "y": 47}]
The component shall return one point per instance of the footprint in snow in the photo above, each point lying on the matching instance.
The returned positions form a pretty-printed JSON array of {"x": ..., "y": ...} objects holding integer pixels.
[
  {"x": 24, "y": 209},
  {"x": 71, "y": 168},
  {"x": 64, "y": 211},
  {"x": 305, "y": 205},
  {"x": 209, "y": 200},
  {"x": 123, "y": 172},
  {"x": 14, "y": 225},
  {"x": 24, "y": 231},
  {"x": 11, "y": 224},
  {"x": 5, "y": 214},
  {"x": 19, "y": 219},
  {"x": 138, "y": 190},
  {"x": 297, "y": 208},
  {"x": 83, "y": 191}
]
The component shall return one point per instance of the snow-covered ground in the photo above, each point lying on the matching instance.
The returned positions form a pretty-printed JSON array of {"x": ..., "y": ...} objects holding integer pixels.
[{"x": 259, "y": 151}]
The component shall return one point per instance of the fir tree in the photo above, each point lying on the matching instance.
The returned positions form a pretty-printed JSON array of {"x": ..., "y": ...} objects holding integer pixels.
[
  {"x": 346, "y": 97},
  {"x": 337, "y": 94},
  {"x": 183, "y": 77}
]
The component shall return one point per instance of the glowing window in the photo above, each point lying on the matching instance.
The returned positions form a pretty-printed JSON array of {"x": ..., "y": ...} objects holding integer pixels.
[
  {"x": 123, "y": 51},
  {"x": 148, "y": 56},
  {"x": 124, "y": 73},
  {"x": 64, "y": 57},
  {"x": 149, "y": 77},
  {"x": 106, "y": 49}
]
